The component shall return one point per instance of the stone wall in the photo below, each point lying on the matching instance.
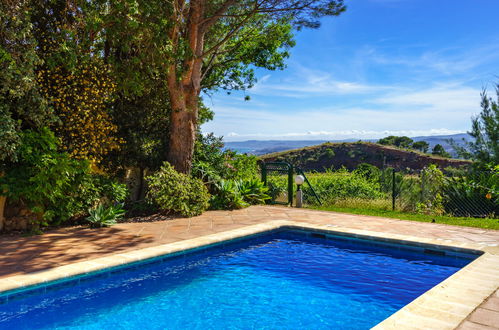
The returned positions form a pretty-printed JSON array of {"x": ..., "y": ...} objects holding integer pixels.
[{"x": 16, "y": 217}]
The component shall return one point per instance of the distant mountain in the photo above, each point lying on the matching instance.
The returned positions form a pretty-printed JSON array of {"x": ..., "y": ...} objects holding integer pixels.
[
  {"x": 257, "y": 147},
  {"x": 262, "y": 147},
  {"x": 443, "y": 140}
]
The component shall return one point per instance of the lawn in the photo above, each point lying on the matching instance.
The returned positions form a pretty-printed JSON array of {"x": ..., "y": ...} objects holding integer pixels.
[{"x": 485, "y": 223}]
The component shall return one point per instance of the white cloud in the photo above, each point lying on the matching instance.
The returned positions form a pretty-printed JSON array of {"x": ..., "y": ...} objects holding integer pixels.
[
  {"x": 436, "y": 93},
  {"x": 306, "y": 82},
  {"x": 449, "y": 96},
  {"x": 440, "y": 110},
  {"x": 446, "y": 61},
  {"x": 338, "y": 135}
]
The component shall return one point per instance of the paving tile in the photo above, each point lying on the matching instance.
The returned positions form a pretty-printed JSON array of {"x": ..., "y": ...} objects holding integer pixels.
[
  {"x": 467, "y": 325},
  {"x": 492, "y": 303},
  {"x": 64, "y": 246},
  {"x": 485, "y": 317}
]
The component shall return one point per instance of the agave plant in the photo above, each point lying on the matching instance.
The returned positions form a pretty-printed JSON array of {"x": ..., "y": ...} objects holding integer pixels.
[
  {"x": 253, "y": 191},
  {"x": 227, "y": 196},
  {"x": 103, "y": 216}
]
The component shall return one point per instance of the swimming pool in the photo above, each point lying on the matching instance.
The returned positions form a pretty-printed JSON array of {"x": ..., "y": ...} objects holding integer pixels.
[{"x": 282, "y": 279}]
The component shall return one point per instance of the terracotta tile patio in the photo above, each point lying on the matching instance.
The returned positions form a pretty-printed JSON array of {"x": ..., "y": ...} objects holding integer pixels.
[{"x": 21, "y": 255}]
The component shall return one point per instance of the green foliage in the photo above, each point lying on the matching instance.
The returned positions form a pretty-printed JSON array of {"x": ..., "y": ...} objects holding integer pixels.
[
  {"x": 178, "y": 192},
  {"x": 421, "y": 146},
  {"x": 261, "y": 42},
  {"x": 430, "y": 199},
  {"x": 398, "y": 141},
  {"x": 438, "y": 150},
  {"x": 369, "y": 171},
  {"x": 21, "y": 104},
  {"x": 334, "y": 185},
  {"x": 9, "y": 136},
  {"x": 227, "y": 196},
  {"x": 328, "y": 153},
  {"x": 103, "y": 216},
  {"x": 404, "y": 142},
  {"x": 277, "y": 186},
  {"x": 253, "y": 191},
  {"x": 236, "y": 194},
  {"x": 51, "y": 184},
  {"x": 211, "y": 163},
  {"x": 485, "y": 131},
  {"x": 475, "y": 194},
  {"x": 485, "y": 223}
]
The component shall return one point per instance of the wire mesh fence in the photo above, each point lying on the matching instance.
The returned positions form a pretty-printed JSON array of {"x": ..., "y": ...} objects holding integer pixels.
[
  {"x": 429, "y": 191},
  {"x": 426, "y": 192}
]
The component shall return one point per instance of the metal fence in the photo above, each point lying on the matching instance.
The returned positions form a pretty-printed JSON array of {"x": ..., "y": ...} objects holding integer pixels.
[
  {"x": 428, "y": 192},
  {"x": 278, "y": 177}
]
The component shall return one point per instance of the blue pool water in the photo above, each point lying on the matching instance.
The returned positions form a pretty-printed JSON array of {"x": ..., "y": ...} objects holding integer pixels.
[{"x": 281, "y": 280}]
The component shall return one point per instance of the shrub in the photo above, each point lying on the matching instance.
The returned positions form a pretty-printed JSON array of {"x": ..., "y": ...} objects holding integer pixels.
[
  {"x": 341, "y": 184},
  {"x": 178, "y": 192},
  {"x": 236, "y": 194},
  {"x": 253, "y": 191},
  {"x": 369, "y": 171},
  {"x": 243, "y": 167},
  {"x": 327, "y": 154},
  {"x": 227, "y": 196},
  {"x": 431, "y": 179},
  {"x": 103, "y": 216},
  {"x": 51, "y": 184},
  {"x": 211, "y": 163},
  {"x": 277, "y": 185},
  {"x": 476, "y": 194}
]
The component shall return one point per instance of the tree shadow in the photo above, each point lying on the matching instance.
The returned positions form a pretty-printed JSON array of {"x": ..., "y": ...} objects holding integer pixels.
[{"x": 22, "y": 255}]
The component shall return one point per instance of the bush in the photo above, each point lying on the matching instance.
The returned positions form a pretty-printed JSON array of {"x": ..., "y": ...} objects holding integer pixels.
[
  {"x": 226, "y": 196},
  {"x": 211, "y": 163},
  {"x": 370, "y": 172},
  {"x": 229, "y": 194},
  {"x": 253, "y": 191},
  {"x": 341, "y": 184},
  {"x": 476, "y": 194},
  {"x": 178, "y": 192},
  {"x": 103, "y": 216},
  {"x": 277, "y": 186},
  {"x": 431, "y": 182},
  {"x": 51, "y": 184}
]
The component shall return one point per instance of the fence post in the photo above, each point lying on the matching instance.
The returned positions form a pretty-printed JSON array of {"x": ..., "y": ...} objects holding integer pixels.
[
  {"x": 393, "y": 189},
  {"x": 423, "y": 193},
  {"x": 290, "y": 185},
  {"x": 264, "y": 173}
]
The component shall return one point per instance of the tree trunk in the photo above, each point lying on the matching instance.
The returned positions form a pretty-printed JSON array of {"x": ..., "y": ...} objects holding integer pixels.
[
  {"x": 2, "y": 206},
  {"x": 184, "y": 92},
  {"x": 183, "y": 125}
]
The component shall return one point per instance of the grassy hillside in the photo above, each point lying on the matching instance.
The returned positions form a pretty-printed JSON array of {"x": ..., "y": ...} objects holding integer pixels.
[{"x": 350, "y": 155}]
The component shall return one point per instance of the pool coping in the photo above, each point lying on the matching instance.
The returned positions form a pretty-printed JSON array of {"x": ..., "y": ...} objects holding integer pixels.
[{"x": 444, "y": 306}]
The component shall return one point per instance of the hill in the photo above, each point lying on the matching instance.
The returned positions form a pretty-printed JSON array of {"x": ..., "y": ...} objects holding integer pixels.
[
  {"x": 261, "y": 147},
  {"x": 350, "y": 155}
]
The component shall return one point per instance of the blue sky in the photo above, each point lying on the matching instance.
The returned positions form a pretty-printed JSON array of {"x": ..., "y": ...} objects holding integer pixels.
[{"x": 384, "y": 67}]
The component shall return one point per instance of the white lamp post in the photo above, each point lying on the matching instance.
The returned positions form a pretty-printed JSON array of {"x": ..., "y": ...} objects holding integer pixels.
[{"x": 299, "y": 179}]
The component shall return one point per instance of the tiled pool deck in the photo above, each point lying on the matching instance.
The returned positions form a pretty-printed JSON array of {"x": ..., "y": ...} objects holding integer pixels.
[{"x": 472, "y": 292}]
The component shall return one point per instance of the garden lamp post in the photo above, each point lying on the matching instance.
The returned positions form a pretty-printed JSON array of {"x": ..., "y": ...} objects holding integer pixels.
[{"x": 299, "y": 179}]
